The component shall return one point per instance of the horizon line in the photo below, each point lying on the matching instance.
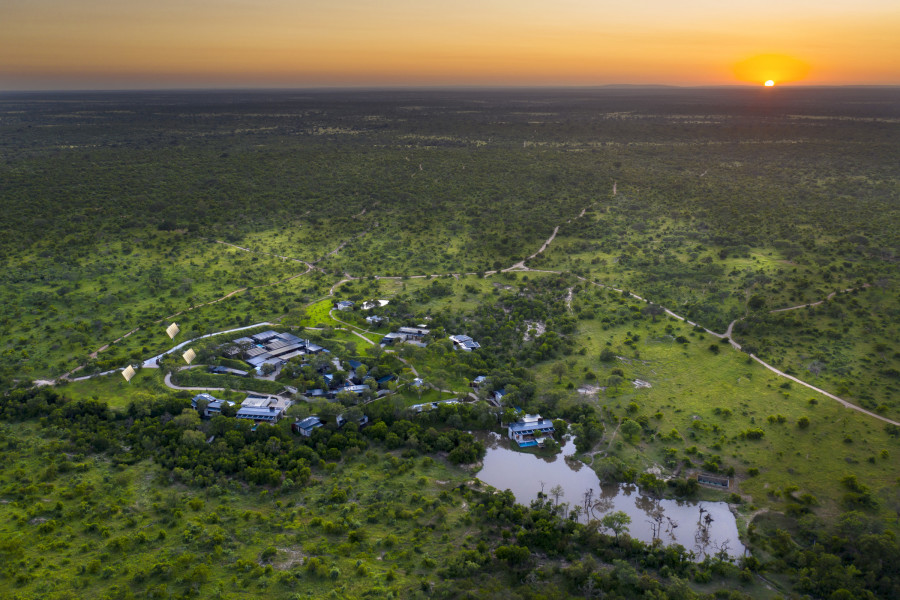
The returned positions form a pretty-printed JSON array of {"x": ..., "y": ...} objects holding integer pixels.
[{"x": 446, "y": 87}]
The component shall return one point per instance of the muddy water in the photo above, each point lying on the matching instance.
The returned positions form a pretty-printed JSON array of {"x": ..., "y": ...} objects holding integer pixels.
[{"x": 675, "y": 521}]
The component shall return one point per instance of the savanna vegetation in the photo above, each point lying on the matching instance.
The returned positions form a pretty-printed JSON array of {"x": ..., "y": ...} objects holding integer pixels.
[{"x": 124, "y": 213}]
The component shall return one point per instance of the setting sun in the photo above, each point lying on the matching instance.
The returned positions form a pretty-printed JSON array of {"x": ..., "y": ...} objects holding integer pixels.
[{"x": 771, "y": 68}]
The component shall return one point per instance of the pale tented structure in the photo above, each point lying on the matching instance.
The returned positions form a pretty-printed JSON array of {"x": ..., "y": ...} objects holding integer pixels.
[
  {"x": 128, "y": 373},
  {"x": 189, "y": 356},
  {"x": 172, "y": 330}
]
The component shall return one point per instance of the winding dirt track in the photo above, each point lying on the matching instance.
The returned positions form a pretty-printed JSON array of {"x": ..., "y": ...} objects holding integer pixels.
[
  {"x": 828, "y": 297},
  {"x": 520, "y": 266}
]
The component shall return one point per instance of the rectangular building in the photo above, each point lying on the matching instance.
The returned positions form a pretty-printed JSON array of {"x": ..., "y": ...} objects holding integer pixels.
[{"x": 530, "y": 430}]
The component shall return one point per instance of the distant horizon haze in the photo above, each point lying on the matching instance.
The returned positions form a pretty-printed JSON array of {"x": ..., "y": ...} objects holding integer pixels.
[{"x": 214, "y": 44}]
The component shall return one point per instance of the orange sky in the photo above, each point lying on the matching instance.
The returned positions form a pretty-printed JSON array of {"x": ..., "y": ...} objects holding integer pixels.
[{"x": 94, "y": 44}]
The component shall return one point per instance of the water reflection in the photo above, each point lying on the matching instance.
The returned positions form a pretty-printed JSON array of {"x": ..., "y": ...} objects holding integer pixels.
[{"x": 706, "y": 528}]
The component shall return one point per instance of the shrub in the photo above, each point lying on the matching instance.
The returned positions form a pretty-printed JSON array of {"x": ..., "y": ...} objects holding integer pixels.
[
  {"x": 268, "y": 554},
  {"x": 753, "y": 434}
]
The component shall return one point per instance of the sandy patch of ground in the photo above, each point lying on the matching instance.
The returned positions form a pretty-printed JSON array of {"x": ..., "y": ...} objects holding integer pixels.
[
  {"x": 534, "y": 329},
  {"x": 590, "y": 390}
]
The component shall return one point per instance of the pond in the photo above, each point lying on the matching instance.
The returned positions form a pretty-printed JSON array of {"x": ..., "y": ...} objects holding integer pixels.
[{"x": 702, "y": 527}]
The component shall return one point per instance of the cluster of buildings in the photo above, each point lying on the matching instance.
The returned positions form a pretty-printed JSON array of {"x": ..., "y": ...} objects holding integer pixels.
[
  {"x": 272, "y": 348},
  {"x": 275, "y": 349},
  {"x": 305, "y": 427},
  {"x": 415, "y": 335},
  {"x": 255, "y": 407},
  {"x": 367, "y": 305},
  {"x": 213, "y": 405},
  {"x": 353, "y": 384}
]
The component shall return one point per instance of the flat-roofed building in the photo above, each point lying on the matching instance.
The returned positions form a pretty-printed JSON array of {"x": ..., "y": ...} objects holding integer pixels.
[
  {"x": 258, "y": 361},
  {"x": 464, "y": 342},
  {"x": 289, "y": 337},
  {"x": 392, "y": 338},
  {"x": 353, "y": 389},
  {"x": 530, "y": 430},
  {"x": 255, "y": 351},
  {"x": 260, "y": 401},
  {"x": 306, "y": 426},
  {"x": 263, "y": 337},
  {"x": 413, "y": 333},
  {"x": 286, "y": 349},
  {"x": 213, "y": 404},
  {"x": 259, "y": 414}
]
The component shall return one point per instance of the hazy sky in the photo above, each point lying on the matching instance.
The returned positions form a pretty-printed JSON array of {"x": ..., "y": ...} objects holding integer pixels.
[{"x": 95, "y": 44}]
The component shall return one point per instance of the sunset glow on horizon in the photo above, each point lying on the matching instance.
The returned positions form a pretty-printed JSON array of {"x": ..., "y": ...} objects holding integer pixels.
[{"x": 102, "y": 44}]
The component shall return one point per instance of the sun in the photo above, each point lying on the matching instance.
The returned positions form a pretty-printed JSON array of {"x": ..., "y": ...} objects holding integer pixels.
[{"x": 773, "y": 69}]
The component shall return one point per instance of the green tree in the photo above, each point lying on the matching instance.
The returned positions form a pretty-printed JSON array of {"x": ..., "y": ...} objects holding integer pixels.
[
  {"x": 557, "y": 492},
  {"x": 630, "y": 429},
  {"x": 512, "y": 555},
  {"x": 617, "y": 522},
  {"x": 192, "y": 438},
  {"x": 558, "y": 369}
]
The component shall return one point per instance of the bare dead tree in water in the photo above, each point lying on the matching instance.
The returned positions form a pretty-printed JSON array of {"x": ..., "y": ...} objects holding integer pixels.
[
  {"x": 656, "y": 513},
  {"x": 654, "y": 529},
  {"x": 701, "y": 538},
  {"x": 707, "y": 521},
  {"x": 671, "y": 528},
  {"x": 721, "y": 550}
]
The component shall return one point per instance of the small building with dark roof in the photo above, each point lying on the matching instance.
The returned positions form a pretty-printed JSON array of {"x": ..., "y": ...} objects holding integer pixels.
[
  {"x": 306, "y": 426},
  {"x": 361, "y": 422},
  {"x": 383, "y": 381},
  {"x": 213, "y": 404},
  {"x": 263, "y": 337},
  {"x": 391, "y": 338},
  {"x": 464, "y": 342}
]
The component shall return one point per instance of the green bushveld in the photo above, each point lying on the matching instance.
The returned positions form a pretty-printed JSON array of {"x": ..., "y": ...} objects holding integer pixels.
[{"x": 722, "y": 206}]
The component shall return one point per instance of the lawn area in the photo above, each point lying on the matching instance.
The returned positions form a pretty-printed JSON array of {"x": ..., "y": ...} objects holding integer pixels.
[
  {"x": 700, "y": 402},
  {"x": 115, "y": 391}
]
